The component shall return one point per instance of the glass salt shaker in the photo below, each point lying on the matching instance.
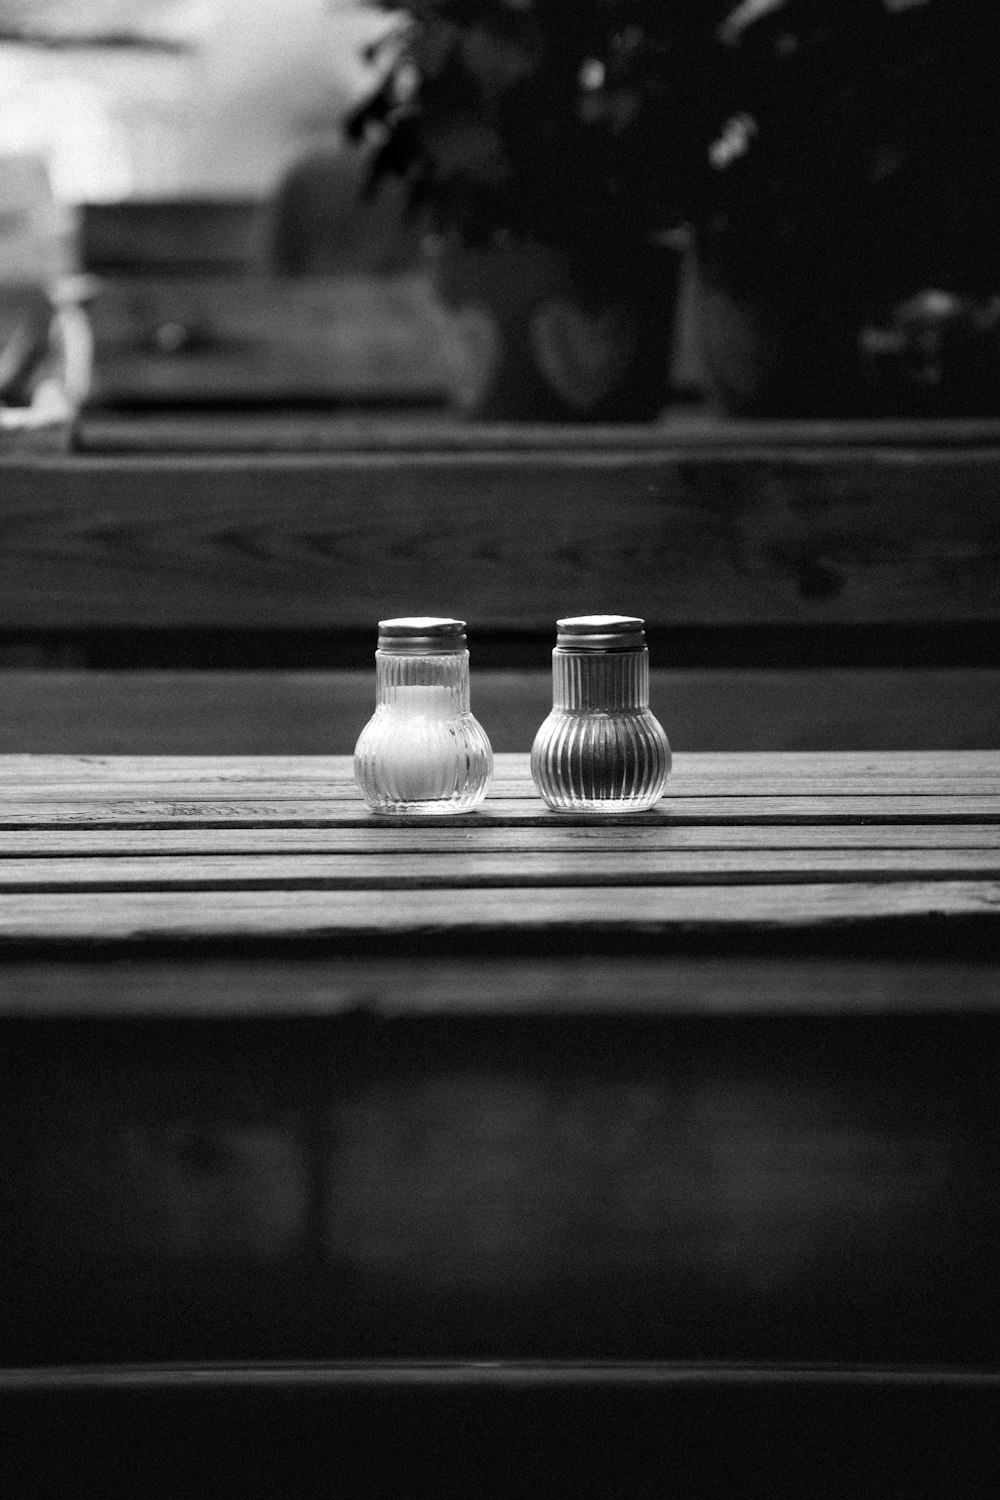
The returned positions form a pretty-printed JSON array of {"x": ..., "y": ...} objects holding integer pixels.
[
  {"x": 600, "y": 749},
  {"x": 422, "y": 751}
]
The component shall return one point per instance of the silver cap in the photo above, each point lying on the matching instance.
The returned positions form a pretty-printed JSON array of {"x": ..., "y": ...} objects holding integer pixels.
[
  {"x": 601, "y": 633},
  {"x": 421, "y": 635}
]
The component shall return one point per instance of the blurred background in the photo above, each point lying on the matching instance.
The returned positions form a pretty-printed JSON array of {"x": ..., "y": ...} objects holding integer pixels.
[
  {"x": 609, "y": 210},
  {"x": 145, "y": 148},
  {"x": 164, "y": 98}
]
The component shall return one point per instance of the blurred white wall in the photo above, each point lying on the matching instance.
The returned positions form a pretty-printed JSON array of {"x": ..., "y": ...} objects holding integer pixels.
[
  {"x": 272, "y": 76},
  {"x": 106, "y": 125},
  {"x": 263, "y": 80}
]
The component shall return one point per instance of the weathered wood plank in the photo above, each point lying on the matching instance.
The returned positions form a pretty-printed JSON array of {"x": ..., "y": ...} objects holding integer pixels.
[
  {"x": 506, "y": 540},
  {"x": 268, "y": 913},
  {"x": 432, "y": 838},
  {"x": 907, "y": 773},
  {"x": 60, "y": 792},
  {"x": 568, "y": 985},
  {"x": 460, "y": 870},
  {"x": 333, "y": 811},
  {"x": 94, "y": 770},
  {"x": 338, "y": 790}
]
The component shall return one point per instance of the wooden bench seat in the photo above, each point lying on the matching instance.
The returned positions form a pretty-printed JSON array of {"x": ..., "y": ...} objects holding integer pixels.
[
  {"x": 308, "y": 529},
  {"x": 693, "y": 535}
]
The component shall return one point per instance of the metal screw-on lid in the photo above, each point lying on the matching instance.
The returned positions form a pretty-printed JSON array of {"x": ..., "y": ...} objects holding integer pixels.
[
  {"x": 600, "y": 633},
  {"x": 421, "y": 635}
]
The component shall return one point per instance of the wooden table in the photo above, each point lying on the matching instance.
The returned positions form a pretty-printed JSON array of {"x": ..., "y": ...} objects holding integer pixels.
[
  {"x": 704, "y": 1102},
  {"x": 126, "y": 850}
]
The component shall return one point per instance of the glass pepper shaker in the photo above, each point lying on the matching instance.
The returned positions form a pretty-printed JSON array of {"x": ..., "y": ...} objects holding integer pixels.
[
  {"x": 600, "y": 749},
  {"x": 422, "y": 751}
]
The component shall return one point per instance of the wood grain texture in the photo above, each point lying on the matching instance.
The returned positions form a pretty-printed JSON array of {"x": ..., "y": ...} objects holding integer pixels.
[
  {"x": 314, "y": 713},
  {"x": 380, "y": 838},
  {"x": 323, "y": 785},
  {"x": 63, "y": 792},
  {"x": 507, "y": 540},
  {"x": 602, "y": 910},
  {"x": 838, "y": 773},
  {"x": 135, "y": 848},
  {"x": 460, "y": 870},
  {"x": 223, "y": 811}
]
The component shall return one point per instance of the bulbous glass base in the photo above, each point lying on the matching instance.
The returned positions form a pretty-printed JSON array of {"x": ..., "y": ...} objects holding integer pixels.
[
  {"x": 603, "y": 807},
  {"x": 404, "y": 763},
  {"x": 595, "y": 762}
]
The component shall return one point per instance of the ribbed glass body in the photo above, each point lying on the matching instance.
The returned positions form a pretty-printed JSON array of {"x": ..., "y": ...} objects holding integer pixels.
[
  {"x": 600, "y": 749},
  {"x": 423, "y": 751}
]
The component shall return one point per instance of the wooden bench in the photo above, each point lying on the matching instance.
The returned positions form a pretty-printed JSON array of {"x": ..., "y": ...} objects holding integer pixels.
[{"x": 211, "y": 583}]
